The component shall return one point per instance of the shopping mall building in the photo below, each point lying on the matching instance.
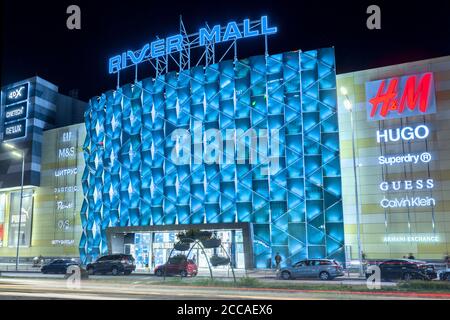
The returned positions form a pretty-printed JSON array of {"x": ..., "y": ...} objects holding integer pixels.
[{"x": 260, "y": 151}]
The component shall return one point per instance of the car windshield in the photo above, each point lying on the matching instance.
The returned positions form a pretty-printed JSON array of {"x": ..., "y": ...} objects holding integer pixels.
[{"x": 102, "y": 258}]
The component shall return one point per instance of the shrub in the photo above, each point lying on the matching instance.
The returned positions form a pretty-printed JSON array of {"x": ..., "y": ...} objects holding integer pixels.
[
  {"x": 194, "y": 234},
  {"x": 443, "y": 286},
  {"x": 211, "y": 243},
  {"x": 219, "y": 261},
  {"x": 182, "y": 246}
]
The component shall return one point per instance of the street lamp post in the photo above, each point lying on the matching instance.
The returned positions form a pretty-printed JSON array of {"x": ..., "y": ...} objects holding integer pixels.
[
  {"x": 18, "y": 153},
  {"x": 349, "y": 107}
]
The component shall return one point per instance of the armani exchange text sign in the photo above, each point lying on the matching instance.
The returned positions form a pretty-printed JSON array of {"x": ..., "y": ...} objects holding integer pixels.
[{"x": 160, "y": 48}]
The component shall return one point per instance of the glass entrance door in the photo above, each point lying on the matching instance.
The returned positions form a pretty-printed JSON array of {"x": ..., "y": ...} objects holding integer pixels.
[{"x": 153, "y": 248}]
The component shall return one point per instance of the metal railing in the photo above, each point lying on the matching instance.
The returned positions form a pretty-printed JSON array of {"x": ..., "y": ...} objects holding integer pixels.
[{"x": 20, "y": 268}]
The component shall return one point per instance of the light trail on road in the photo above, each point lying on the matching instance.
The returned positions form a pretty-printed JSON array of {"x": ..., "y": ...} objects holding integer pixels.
[{"x": 41, "y": 288}]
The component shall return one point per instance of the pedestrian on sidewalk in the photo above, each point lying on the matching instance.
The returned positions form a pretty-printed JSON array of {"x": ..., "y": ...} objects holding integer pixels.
[{"x": 278, "y": 261}]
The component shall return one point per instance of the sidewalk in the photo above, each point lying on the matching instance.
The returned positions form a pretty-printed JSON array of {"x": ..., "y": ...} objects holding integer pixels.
[{"x": 255, "y": 273}]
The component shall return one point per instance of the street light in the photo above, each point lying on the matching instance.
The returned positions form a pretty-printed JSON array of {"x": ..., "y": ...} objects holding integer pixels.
[
  {"x": 349, "y": 107},
  {"x": 18, "y": 154}
]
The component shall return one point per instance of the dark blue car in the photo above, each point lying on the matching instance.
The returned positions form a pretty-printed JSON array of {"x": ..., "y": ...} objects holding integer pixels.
[{"x": 58, "y": 266}]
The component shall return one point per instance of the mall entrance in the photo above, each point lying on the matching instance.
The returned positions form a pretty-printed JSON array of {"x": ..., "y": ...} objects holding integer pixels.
[
  {"x": 151, "y": 249},
  {"x": 151, "y": 246}
]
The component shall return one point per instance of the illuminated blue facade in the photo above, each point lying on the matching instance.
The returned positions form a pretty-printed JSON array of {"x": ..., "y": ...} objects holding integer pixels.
[{"x": 131, "y": 180}]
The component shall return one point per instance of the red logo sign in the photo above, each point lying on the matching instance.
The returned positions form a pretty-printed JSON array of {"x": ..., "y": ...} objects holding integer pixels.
[{"x": 401, "y": 97}]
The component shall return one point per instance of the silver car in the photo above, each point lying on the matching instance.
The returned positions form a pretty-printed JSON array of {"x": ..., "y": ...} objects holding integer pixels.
[{"x": 323, "y": 269}]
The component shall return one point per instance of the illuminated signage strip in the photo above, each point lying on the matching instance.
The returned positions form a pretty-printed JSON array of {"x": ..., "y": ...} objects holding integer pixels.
[
  {"x": 65, "y": 205},
  {"x": 233, "y": 31},
  {"x": 395, "y": 98}
]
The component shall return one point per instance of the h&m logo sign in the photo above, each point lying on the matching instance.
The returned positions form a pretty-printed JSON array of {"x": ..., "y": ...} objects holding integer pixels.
[{"x": 401, "y": 97}]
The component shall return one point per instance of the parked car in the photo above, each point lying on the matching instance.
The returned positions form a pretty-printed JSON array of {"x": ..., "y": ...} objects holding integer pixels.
[
  {"x": 444, "y": 275},
  {"x": 177, "y": 266},
  {"x": 405, "y": 269},
  {"x": 58, "y": 266},
  {"x": 114, "y": 264},
  {"x": 323, "y": 269}
]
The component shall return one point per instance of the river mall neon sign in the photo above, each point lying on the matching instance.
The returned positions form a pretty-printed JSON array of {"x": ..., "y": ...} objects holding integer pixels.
[
  {"x": 162, "y": 47},
  {"x": 401, "y": 97}
]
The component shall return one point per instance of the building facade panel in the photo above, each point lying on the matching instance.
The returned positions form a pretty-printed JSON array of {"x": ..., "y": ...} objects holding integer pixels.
[
  {"x": 144, "y": 167},
  {"x": 398, "y": 229}
]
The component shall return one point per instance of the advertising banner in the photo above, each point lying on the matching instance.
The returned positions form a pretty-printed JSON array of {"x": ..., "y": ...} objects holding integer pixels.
[
  {"x": 65, "y": 187},
  {"x": 25, "y": 219}
]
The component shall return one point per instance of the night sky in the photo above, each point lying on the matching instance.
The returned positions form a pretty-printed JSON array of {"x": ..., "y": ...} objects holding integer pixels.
[{"x": 36, "y": 41}]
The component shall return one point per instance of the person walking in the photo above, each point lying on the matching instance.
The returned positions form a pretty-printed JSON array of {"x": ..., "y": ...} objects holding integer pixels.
[{"x": 278, "y": 260}]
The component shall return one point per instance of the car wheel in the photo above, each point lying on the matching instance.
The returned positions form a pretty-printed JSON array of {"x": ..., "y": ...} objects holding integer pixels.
[
  {"x": 285, "y": 275},
  {"x": 159, "y": 273},
  {"x": 114, "y": 271},
  {"x": 407, "y": 276},
  {"x": 183, "y": 273},
  {"x": 324, "y": 275},
  {"x": 90, "y": 271}
]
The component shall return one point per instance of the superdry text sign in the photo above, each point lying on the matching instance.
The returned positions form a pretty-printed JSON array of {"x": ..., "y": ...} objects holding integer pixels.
[{"x": 401, "y": 97}]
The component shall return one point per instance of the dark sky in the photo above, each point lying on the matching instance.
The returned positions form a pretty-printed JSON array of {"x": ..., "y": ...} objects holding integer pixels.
[{"x": 35, "y": 39}]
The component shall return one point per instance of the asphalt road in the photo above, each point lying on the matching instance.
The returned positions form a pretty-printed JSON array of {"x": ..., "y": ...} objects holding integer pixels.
[
  {"x": 112, "y": 288},
  {"x": 142, "y": 277}
]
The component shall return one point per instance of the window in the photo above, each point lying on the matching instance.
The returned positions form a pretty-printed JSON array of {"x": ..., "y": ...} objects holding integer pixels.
[
  {"x": 102, "y": 259},
  {"x": 300, "y": 264}
]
